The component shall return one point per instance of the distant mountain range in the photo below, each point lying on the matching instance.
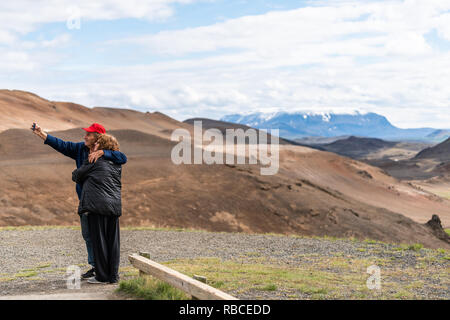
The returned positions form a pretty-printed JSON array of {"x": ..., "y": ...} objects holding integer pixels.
[{"x": 307, "y": 124}]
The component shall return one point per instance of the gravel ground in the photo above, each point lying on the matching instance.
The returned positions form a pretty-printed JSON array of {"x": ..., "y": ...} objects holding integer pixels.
[{"x": 35, "y": 261}]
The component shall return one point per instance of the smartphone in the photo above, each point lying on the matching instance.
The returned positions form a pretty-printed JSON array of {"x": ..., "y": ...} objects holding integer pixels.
[{"x": 34, "y": 126}]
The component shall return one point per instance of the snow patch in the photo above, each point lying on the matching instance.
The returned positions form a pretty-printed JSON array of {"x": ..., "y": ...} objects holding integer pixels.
[{"x": 326, "y": 117}]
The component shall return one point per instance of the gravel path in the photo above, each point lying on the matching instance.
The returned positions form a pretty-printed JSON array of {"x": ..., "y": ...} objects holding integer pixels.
[{"x": 35, "y": 261}]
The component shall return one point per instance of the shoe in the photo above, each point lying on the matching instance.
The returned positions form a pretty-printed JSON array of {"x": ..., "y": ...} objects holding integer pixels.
[
  {"x": 114, "y": 279},
  {"x": 95, "y": 281},
  {"x": 88, "y": 274}
]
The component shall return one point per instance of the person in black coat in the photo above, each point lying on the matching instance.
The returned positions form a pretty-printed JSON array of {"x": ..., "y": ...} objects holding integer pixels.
[{"x": 101, "y": 201}]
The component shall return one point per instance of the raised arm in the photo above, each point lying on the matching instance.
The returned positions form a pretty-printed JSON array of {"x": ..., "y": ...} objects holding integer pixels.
[{"x": 67, "y": 148}]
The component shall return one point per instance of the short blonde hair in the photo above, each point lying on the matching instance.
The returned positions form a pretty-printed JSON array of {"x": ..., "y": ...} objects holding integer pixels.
[{"x": 108, "y": 142}]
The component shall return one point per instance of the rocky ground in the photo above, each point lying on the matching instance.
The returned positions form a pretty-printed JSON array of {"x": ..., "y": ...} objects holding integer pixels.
[{"x": 35, "y": 261}]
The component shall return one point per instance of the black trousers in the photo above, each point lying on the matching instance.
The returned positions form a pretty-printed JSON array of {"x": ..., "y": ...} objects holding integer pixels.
[{"x": 105, "y": 236}]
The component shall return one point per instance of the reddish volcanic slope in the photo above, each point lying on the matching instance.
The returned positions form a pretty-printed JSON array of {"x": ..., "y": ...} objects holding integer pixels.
[{"x": 314, "y": 192}]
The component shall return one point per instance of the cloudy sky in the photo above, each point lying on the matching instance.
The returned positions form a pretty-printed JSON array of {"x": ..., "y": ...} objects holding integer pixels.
[{"x": 209, "y": 58}]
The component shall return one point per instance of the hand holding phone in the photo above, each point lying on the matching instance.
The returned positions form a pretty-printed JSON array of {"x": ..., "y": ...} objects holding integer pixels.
[{"x": 38, "y": 131}]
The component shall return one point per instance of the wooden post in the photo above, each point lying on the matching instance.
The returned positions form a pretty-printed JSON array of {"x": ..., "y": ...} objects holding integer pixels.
[
  {"x": 200, "y": 278},
  {"x": 144, "y": 254}
]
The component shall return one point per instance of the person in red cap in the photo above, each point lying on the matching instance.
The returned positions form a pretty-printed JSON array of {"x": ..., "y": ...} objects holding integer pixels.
[
  {"x": 80, "y": 151},
  {"x": 96, "y": 127}
]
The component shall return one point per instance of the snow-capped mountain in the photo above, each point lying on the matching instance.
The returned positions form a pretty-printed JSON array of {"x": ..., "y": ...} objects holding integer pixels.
[
  {"x": 440, "y": 134},
  {"x": 328, "y": 124}
]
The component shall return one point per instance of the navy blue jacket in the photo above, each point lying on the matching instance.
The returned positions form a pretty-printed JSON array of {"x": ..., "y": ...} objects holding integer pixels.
[{"x": 79, "y": 152}]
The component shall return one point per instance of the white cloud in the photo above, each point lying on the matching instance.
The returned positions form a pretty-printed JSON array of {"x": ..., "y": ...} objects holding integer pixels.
[
  {"x": 371, "y": 56},
  {"x": 20, "y": 17},
  {"x": 58, "y": 41},
  {"x": 15, "y": 61},
  {"x": 334, "y": 55},
  {"x": 23, "y": 15},
  {"x": 396, "y": 27}
]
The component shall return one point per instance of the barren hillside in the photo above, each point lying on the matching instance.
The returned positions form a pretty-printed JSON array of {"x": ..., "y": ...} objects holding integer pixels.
[
  {"x": 19, "y": 109},
  {"x": 314, "y": 193}
]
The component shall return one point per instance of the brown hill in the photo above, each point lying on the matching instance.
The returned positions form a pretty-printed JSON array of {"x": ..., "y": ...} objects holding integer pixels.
[
  {"x": 357, "y": 147},
  {"x": 439, "y": 152},
  {"x": 19, "y": 109},
  {"x": 314, "y": 193},
  {"x": 430, "y": 163},
  {"x": 361, "y": 148}
]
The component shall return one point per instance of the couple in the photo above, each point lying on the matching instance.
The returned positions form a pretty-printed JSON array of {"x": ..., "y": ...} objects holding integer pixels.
[{"x": 98, "y": 178}]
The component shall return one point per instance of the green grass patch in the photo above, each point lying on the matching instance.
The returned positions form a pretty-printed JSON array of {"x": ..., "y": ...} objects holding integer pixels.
[
  {"x": 448, "y": 231},
  {"x": 129, "y": 271},
  {"x": 5, "y": 279},
  {"x": 149, "y": 288},
  {"x": 236, "y": 276},
  {"x": 308, "y": 289},
  {"x": 314, "y": 277},
  {"x": 415, "y": 247},
  {"x": 26, "y": 274},
  {"x": 269, "y": 287},
  {"x": 371, "y": 241}
]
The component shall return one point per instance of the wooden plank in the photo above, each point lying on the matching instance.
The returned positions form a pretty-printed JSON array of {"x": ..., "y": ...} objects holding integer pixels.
[
  {"x": 201, "y": 279},
  {"x": 181, "y": 281},
  {"x": 145, "y": 255}
]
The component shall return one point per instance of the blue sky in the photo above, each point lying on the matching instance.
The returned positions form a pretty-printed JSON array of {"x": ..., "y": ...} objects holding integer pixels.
[{"x": 209, "y": 58}]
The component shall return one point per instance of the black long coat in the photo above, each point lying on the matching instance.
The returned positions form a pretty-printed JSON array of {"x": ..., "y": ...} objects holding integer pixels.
[{"x": 102, "y": 186}]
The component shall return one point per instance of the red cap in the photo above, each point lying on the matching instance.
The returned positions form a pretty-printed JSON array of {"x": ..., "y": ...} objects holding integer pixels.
[{"x": 95, "y": 127}]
